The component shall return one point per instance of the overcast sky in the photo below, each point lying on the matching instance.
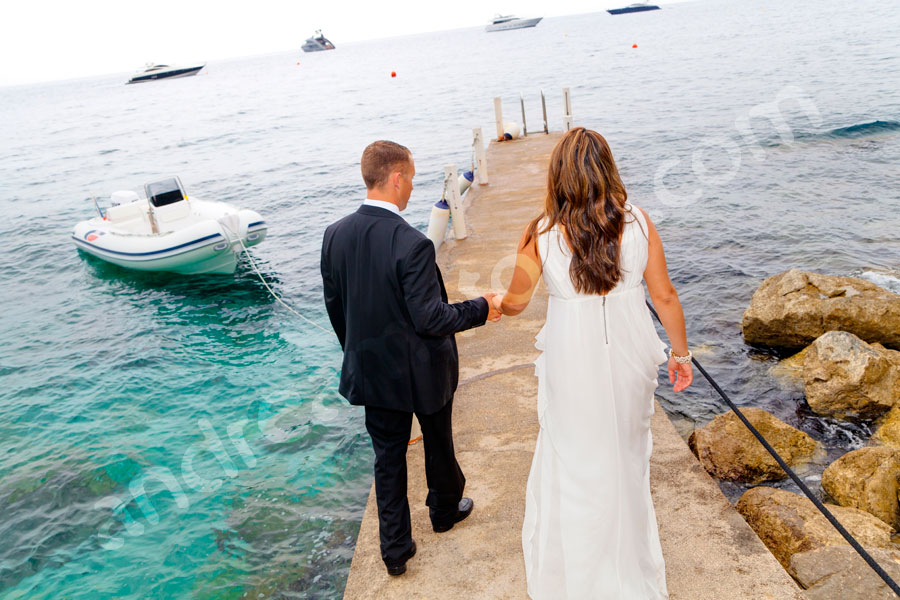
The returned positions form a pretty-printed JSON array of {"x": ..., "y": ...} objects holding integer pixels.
[{"x": 46, "y": 40}]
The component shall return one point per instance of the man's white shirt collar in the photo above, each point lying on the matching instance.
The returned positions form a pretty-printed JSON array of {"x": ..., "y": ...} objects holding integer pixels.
[{"x": 382, "y": 204}]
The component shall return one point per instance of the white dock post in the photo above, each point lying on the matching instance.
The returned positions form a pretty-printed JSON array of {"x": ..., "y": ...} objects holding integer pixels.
[
  {"x": 481, "y": 169},
  {"x": 544, "y": 107},
  {"x": 522, "y": 104},
  {"x": 498, "y": 115},
  {"x": 451, "y": 189},
  {"x": 567, "y": 106}
]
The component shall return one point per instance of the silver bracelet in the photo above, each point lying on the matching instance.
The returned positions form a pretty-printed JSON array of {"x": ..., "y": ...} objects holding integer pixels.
[{"x": 682, "y": 360}]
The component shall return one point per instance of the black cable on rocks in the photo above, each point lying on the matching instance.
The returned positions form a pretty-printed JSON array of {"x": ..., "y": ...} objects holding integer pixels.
[{"x": 831, "y": 519}]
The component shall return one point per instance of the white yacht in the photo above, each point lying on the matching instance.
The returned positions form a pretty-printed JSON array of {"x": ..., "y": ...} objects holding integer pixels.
[
  {"x": 506, "y": 22},
  {"x": 317, "y": 43},
  {"x": 153, "y": 72}
]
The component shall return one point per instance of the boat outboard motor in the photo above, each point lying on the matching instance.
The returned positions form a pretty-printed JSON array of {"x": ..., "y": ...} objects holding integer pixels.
[{"x": 165, "y": 191}]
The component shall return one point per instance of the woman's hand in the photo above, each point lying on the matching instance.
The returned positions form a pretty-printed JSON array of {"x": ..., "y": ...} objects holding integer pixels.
[
  {"x": 684, "y": 373},
  {"x": 497, "y": 301}
]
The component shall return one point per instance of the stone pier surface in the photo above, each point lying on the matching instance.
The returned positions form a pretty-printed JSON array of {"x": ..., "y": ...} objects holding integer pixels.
[{"x": 710, "y": 552}]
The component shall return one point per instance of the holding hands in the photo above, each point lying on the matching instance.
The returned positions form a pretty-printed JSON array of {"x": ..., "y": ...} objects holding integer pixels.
[{"x": 493, "y": 301}]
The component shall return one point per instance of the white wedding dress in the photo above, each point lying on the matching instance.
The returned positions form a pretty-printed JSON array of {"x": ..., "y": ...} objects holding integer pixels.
[{"x": 590, "y": 530}]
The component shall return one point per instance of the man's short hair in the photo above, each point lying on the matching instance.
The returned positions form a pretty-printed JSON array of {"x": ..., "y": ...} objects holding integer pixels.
[{"x": 380, "y": 159}]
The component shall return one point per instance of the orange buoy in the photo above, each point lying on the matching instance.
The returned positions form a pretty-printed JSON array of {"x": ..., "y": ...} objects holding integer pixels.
[
  {"x": 393, "y": 73},
  {"x": 633, "y": 46}
]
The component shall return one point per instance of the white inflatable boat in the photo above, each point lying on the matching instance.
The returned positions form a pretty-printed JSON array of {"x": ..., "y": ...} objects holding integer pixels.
[{"x": 167, "y": 231}]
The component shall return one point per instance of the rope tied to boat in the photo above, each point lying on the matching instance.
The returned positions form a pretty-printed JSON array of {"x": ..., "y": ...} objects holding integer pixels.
[
  {"x": 227, "y": 232},
  {"x": 803, "y": 487}
]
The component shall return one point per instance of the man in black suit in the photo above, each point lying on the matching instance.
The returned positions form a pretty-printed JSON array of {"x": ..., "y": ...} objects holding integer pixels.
[{"x": 388, "y": 306}]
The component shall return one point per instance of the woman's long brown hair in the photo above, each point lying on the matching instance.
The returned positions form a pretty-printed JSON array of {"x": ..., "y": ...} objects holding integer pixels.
[{"x": 585, "y": 195}]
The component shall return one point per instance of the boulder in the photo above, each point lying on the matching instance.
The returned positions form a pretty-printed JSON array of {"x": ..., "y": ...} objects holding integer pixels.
[
  {"x": 789, "y": 371},
  {"x": 839, "y": 573},
  {"x": 793, "y": 308},
  {"x": 727, "y": 449},
  {"x": 846, "y": 377},
  {"x": 788, "y": 523},
  {"x": 888, "y": 432},
  {"x": 891, "y": 355},
  {"x": 867, "y": 479}
]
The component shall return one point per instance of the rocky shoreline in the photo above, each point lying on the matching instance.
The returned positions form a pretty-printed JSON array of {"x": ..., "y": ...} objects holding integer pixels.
[{"x": 845, "y": 333}]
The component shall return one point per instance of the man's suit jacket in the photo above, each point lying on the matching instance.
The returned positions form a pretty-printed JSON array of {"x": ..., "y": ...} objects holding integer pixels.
[{"x": 388, "y": 306}]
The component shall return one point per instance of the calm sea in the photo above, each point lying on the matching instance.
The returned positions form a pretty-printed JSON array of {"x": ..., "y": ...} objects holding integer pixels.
[{"x": 174, "y": 437}]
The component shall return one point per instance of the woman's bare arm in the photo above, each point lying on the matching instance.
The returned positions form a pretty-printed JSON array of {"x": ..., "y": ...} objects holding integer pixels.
[
  {"x": 668, "y": 307},
  {"x": 525, "y": 278}
]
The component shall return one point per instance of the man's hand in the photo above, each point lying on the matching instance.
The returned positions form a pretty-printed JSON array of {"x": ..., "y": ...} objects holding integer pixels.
[{"x": 493, "y": 312}]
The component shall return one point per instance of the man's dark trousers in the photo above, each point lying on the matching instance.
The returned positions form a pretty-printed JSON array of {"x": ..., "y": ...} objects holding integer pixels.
[{"x": 389, "y": 430}]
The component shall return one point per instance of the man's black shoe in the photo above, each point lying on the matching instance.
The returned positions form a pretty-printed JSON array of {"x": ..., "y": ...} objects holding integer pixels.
[
  {"x": 400, "y": 568},
  {"x": 465, "y": 509}
]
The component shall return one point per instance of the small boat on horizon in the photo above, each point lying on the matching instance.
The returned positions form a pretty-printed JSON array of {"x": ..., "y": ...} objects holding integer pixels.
[
  {"x": 507, "y": 22},
  {"x": 153, "y": 72},
  {"x": 167, "y": 231},
  {"x": 317, "y": 43},
  {"x": 638, "y": 7}
]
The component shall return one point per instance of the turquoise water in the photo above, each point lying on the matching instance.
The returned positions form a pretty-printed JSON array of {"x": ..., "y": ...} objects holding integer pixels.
[{"x": 173, "y": 437}]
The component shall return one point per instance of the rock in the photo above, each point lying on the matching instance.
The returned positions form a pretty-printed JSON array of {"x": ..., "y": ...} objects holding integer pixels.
[
  {"x": 793, "y": 308},
  {"x": 790, "y": 370},
  {"x": 839, "y": 573},
  {"x": 847, "y": 377},
  {"x": 867, "y": 479},
  {"x": 891, "y": 355},
  {"x": 788, "y": 523},
  {"x": 888, "y": 432},
  {"x": 727, "y": 449}
]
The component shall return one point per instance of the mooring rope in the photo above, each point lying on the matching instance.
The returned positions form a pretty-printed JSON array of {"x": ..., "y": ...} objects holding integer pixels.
[
  {"x": 818, "y": 504},
  {"x": 271, "y": 291}
]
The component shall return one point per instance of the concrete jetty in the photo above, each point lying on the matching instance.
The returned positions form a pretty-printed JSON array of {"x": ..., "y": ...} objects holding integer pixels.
[{"x": 710, "y": 552}]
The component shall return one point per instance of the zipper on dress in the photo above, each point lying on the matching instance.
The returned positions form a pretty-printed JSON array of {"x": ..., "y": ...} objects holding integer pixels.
[{"x": 605, "y": 326}]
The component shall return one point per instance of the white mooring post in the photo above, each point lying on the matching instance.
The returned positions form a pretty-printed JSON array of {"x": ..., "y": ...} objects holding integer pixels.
[
  {"x": 522, "y": 104},
  {"x": 567, "y": 107},
  {"x": 481, "y": 169},
  {"x": 457, "y": 215},
  {"x": 544, "y": 108},
  {"x": 498, "y": 115}
]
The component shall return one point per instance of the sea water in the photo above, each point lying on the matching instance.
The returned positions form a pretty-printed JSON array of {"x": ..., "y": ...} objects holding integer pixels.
[{"x": 165, "y": 436}]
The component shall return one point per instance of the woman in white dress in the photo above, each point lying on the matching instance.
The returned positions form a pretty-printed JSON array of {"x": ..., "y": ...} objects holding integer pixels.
[{"x": 590, "y": 530}]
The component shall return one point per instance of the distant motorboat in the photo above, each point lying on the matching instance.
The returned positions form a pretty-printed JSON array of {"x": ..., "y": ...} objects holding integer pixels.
[
  {"x": 639, "y": 7},
  {"x": 167, "y": 231},
  {"x": 507, "y": 22},
  {"x": 153, "y": 72},
  {"x": 317, "y": 43}
]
